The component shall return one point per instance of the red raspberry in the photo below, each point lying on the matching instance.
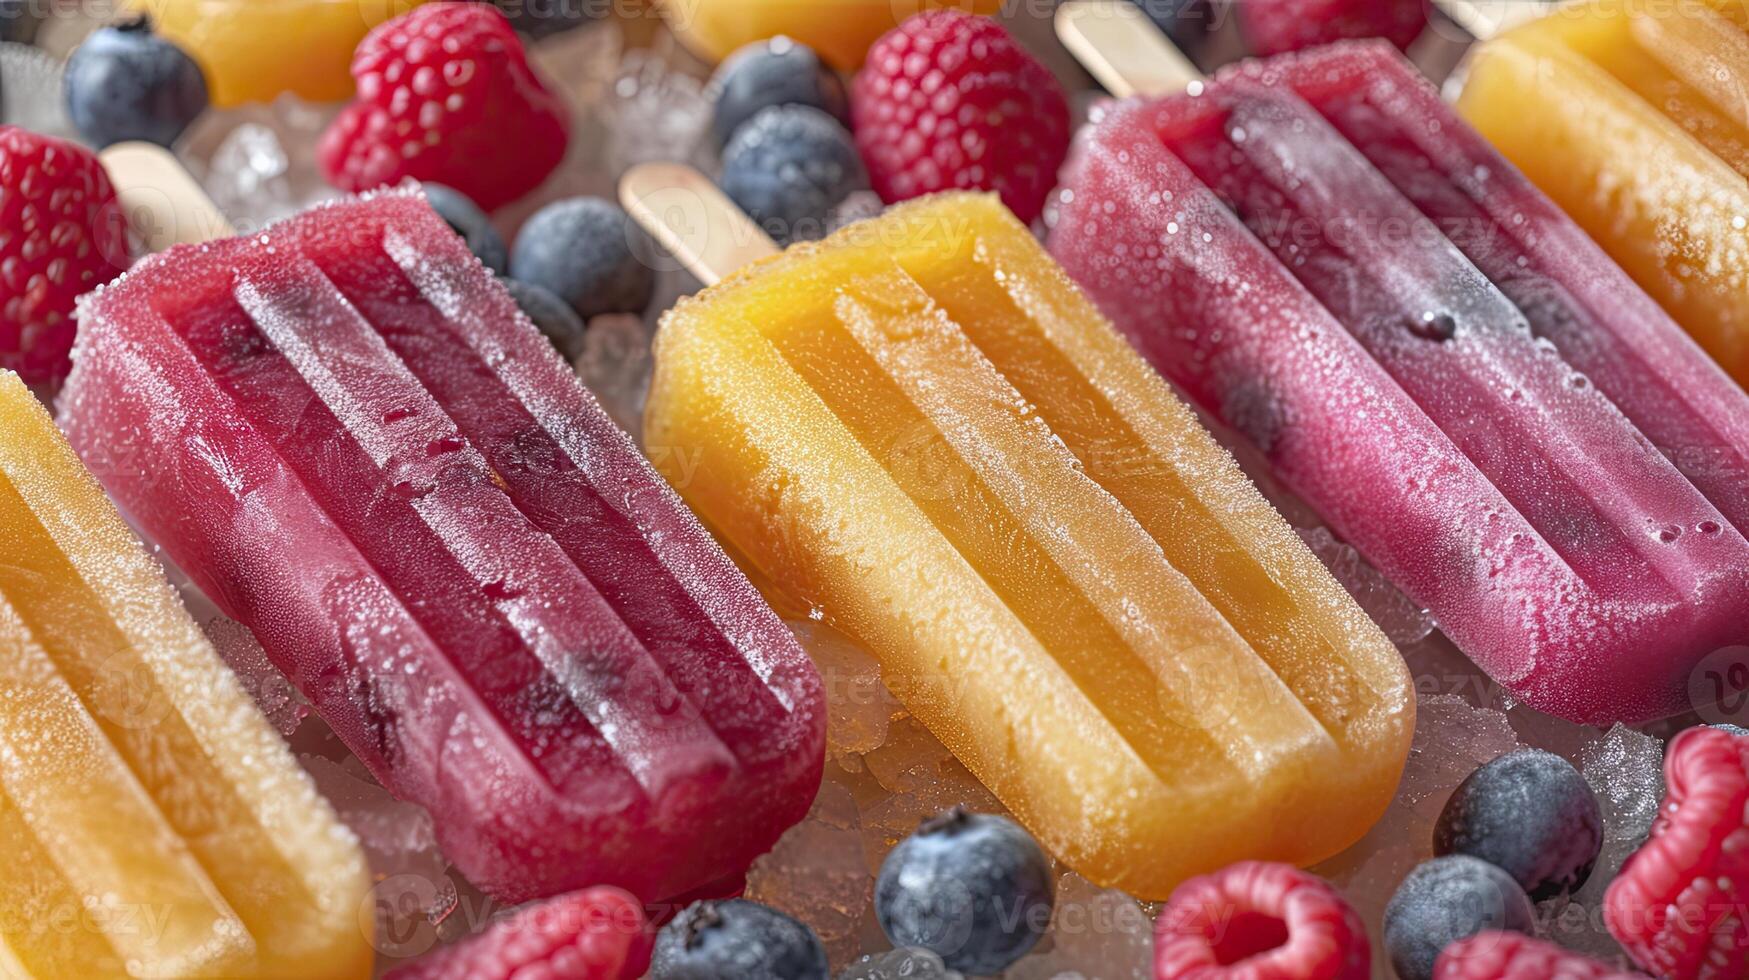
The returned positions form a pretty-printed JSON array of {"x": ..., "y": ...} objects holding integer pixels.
[
  {"x": 1514, "y": 956},
  {"x": 949, "y": 101},
  {"x": 1259, "y": 921},
  {"x": 1277, "y": 26},
  {"x": 1678, "y": 905},
  {"x": 595, "y": 934},
  {"x": 61, "y": 235},
  {"x": 446, "y": 94}
]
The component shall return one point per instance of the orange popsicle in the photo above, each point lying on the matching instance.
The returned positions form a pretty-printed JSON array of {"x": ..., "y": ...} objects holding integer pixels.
[
  {"x": 921, "y": 428},
  {"x": 1633, "y": 117},
  {"x": 154, "y": 823},
  {"x": 841, "y": 31},
  {"x": 254, "y": 52}
]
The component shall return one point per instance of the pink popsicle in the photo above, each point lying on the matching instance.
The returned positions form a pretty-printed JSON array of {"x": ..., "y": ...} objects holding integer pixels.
[
  {"x": 1263, "y": 262},
  {"x": 1563, "y": 283},
  {"x": 344, "y": 431}
]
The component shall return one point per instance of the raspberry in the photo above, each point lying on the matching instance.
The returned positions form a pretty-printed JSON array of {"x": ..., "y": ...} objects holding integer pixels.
[
  {"x": 596, "y": 934},
  {"x": 446, "y": 94},
  {"x": 950, "y": 101},
  {"x": 61, "y": 234},
  {"x": 1278, "y": 26},
  {"x": 1259, "y": 921},
  {"x": 1677, "y": 906},
  {"x": 1513, "y": 956}
]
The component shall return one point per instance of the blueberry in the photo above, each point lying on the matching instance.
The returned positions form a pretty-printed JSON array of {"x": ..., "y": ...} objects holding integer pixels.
[
  {"x": 1530, "y": 814},
  {"x": 461, "y": 213},
  {"x": 127, "y": 83},
  {"x": 973, "y": 889},
  {"x": 789, "y": 167},
  {"x": 586, "y": 252},
  {"x": 736, "y": 940},
  {"x": 773, "y": 73},
  {"x": 552, "y": 315},
  {"x": 1184, "y": 21},
  {"x": 1445, "y": 900},
  {"x": 544, "y": 18}
]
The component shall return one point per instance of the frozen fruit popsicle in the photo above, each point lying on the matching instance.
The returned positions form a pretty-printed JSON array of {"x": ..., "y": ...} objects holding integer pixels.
[
  {"x": 923, "y": 430},
  {"x": 1633, "y": 118},
  {"x": 153, "y": 823},
  {"x": 841, "y": 31},
  {"x": 1566, "y": 287},
  {"x": 1328, "y": 260},
  {"x": 254, "y": 52},
  {"x": 346, "y": 433}
]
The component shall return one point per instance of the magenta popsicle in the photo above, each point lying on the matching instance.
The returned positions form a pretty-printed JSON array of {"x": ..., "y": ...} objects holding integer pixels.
[
  {"x": 1562, "y": 282},
  {"x": 346, "y": 434},
  {"x": 1462, "y": 409}
]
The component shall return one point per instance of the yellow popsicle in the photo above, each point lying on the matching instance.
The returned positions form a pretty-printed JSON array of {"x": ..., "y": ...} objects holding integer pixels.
[
  {"x": 154, "y": 823},
  {"x": 922, "y": 429},
  {"x": 1634, "y": 119},
  {"x": 841, "y": 31},
  {"x": 253, "y": 51}
]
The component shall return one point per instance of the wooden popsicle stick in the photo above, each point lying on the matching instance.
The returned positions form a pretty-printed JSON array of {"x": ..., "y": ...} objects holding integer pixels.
[
  {"x": 1129, "y": 55},
  {"x": 1117, "y": 43},
  {"x": 162, "y": 202},
  {"x": 1485, "y": 18},
  {"x": 695, "y": 221}
]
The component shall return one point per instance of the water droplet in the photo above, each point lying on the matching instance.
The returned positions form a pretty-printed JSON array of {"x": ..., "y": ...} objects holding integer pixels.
[
  {"x": 1707, "y": 527},
  {"x": 1669, "y": 533}
]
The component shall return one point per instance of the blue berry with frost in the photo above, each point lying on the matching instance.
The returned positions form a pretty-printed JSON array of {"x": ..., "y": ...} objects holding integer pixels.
[
  {"x": 972, "y": 888},
  {"x": 788, "y": 168},
  {"x": 736, "y": 940},
  {"x": 1530, "y": 814},
  {"x": 1445, "y": 900},
  {"x": 587, "y": 252},
  {"x": 771, "y": 73}
]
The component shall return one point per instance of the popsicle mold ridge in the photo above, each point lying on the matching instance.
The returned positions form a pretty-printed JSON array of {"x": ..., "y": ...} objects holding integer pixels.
[
  {"x": 1436, "y": 358},
  {"x": 154, "y": 823},
  {"x": 922, "y": 429},
  {"x": 1632, "y": 117},
  {"x": 349, "y": 436}
]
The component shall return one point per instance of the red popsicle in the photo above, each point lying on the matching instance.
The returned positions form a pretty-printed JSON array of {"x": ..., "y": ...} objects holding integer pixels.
[
  {"x": 346, "y": 433},
  {"x": 1276, "y": 272},
  {"x": 1568, "y": 289}
]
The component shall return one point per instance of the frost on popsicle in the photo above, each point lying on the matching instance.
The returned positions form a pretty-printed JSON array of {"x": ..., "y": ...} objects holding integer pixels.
[
  {"x": 921, "y": 429},
  {"x": 345, "y": 433},
  {"x": 1322, "y": 255},
  {"x": 136, "y": 778},
  {"x": 1631, "y": 117}
]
